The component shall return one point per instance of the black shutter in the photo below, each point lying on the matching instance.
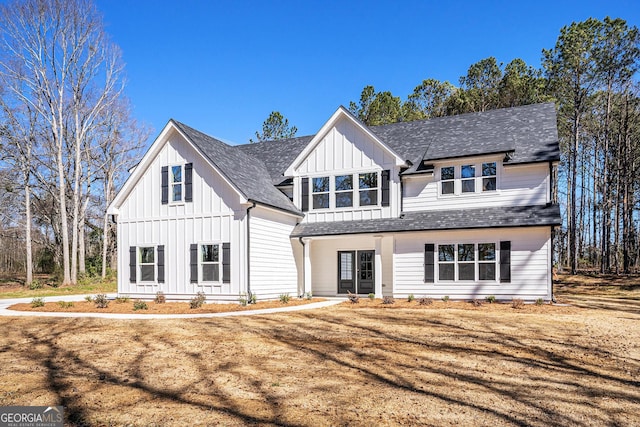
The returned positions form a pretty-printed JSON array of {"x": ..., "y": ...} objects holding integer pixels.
[
  {"x": 226, "y": 263},
  {"x": 193, "y": 260},
  {"x": 188, "y": 186},
  {"x": 505, "y": 262},
  {"x": 385, "y": 187},
  {"x": 305, "y": 194},
  {"x": 429, "y": 250},
  {"x": 132, "y": 264},
  {"x": 165, "y": 185},
  {"x": 160, "y": 253}
]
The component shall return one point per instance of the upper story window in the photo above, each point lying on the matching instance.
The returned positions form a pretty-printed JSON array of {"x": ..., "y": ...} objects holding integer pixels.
[
  {"x": 368, "y": 188},
  {"x": 468, "y": 179},
  {"x": 176, "y": 183},
  {"x": 489, "y": 176},
  {"x": 320, "y": 192},
  {"x": 447, "y": 180},
  {"x": 344, "y": 191}
]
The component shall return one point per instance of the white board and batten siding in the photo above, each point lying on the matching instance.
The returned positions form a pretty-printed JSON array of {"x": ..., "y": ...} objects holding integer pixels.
[
  {"x": 530, "y": 264},
  {"x": 273, "y": 265},
  {"x": 521, "y": 185},
  {"x": 346, "y": 149},
  {"x": 215, "y": 216}
]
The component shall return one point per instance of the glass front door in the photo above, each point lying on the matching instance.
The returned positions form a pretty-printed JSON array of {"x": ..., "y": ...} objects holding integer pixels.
[{"x": 356, "y": 272}]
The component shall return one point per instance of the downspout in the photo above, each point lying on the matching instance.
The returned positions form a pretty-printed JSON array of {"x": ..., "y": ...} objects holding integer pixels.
[
  {"x": 553, "y": 294},
  {"x": 303, "y": 263},
  {"x": 249, "y": 249}
]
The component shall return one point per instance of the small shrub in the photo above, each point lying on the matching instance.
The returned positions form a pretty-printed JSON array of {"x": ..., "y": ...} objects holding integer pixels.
[
  {"x": 539, "y": 301},
  {"x": 37, "y": 302},
  {"x": 284, "y": 298},
  {"x": 35, "y": 285},
  {"x": 65, "y": 304},
  {"x": 88, "y": 298},
  {"x": 354, "y": 298},
  {"x": 490, "y": 299},
  {"x": 517, "y": 303},
  {"x": 122, "y": 300},
  {"x": 253, "y": 298},
  {"x": 410, "y": 297},
  {"x": 101, "y": 301},
  {"x": 476, "y": 302},
  {"x": 388, "y": 300},
  {"x": 425, "y": 301},
  {"x": 243, "y": 300},
  {"x": 308, "y": 295},
  {"x": 445, "y": 298},
  {"x": 139, "y": 305},
  {"x": 371, "y": 296},
  {"x": 198, "y": 300},
  {"x": 160, "y": 298}
]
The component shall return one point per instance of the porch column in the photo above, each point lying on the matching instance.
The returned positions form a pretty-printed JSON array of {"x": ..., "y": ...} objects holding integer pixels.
[
  {"x": 306, "y": 260},
  {"x": 378, "y": 266}
]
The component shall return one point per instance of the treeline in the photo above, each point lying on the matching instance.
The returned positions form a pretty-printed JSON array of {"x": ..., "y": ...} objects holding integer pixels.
[
  {"x": 66, "y": 138},
  {"x": 592, "y": 76}
]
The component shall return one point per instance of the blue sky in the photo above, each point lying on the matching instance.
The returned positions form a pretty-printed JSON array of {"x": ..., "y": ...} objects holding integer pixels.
[{"x": 222, "y": 67}]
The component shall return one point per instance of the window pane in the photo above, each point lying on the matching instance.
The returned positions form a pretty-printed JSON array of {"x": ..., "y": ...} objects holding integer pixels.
[
  {"x": 211, "y": 272},
  {"x": 344, "y": 200},
  {"x": 176, "y": 173},
  {"x": 445, "y": 252},
  {"x": 147, "y": 273},
  {"x": 177, "y": 192},
  {"x": 210, "y": 253},
  {"x": 321, "y": 201},
  {"x": 447, "y": 173},
  {"x": 447, "y": 187},
  {"x": 468, "y": 171},
  {"x": 147, "y": 255},
  {"x": 445, "y": 271},
  {"x": 487, "y": 251},
  {"x": 487, "y": 271},
  {"x": 489, "y": 169},
  {"x": 344, "y": 182},
  {"x": 469, "y": 186},
  {"x": 488, "y": 184},
  {"x": 466, "y": 252},
  {"x": 321, "y": 184},
  {"x": 368, "y": 197},
  {"x": 346, "y": 266},
  {"x": 368, "y": 180},
  {"x": 466, "y": 271}
]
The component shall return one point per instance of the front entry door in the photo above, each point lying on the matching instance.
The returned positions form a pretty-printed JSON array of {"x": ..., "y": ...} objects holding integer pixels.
[{"x": 356, "y": 272}]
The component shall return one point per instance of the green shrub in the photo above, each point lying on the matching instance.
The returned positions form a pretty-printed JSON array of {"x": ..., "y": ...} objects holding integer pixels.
[
  {"x": 121, "y": 300},
  {"x": 65, "y": 304},
  {"x": 388, "y": 300},
  {"x": 425, "y": 301},
  {"x": 490, "y": 299},
  {"x": 539, "y": 301},
  {"x": 445, "y": 298},
  {"x": 139, "y": 305},
  {"x": 308, "y": 295},
  {"x": 284, "y": 298},
  {"x": 253, "y": 297},
  {"x": 243, "y": 300},
  {"x": 354, "y": 298},
  {"x": 517, "y": 303},
  {"x": 410, "y": 297},
  {"x": 101, "y": 301},
  {"x": 35, "y": 285},
  {"x": 88, "y": 298},
  {"x": 160, "y": 298},
  {"x": 198, "y": 300},
  {"x": 372, "y": 296},
  {"x": 37, "y": 302}
]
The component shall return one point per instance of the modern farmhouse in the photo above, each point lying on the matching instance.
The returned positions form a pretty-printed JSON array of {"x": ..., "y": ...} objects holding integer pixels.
[{"x": 458, "y": 206}]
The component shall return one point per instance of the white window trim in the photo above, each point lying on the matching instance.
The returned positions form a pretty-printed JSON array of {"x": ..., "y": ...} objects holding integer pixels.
[
  {"x": 457, "y": 173},
  {"x": 201, "y": 281},
  {"x": 477, "y": 262},
  {"x": 171, "y": 185},
  {"x": 139, "y": 264},
  {"x": 356, "y": 190}
]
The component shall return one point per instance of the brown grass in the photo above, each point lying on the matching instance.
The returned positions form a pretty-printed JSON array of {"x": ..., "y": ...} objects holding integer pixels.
[{"x": 344, "y": 365}]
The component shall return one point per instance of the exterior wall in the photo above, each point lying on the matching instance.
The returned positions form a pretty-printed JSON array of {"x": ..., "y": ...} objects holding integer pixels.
[
  {"x": 214, "y": 216},
  {"x": 520, "y": 185},
  {"x": 530, "y": 264},
  {"x": 345, "y": 149},
  {"x": 273, "y": 265}
]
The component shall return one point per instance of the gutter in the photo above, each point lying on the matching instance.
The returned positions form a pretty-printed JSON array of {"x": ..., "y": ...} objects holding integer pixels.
[
  {"x": 249, "y": 248},
  {"x": 303, "y": 262}
]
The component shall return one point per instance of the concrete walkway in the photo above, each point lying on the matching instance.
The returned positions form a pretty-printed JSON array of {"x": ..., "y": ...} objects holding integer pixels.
[{"x": 5, "y": 303}]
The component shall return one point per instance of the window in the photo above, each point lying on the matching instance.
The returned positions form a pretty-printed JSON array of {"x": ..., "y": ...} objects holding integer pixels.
[
  {"x": 344, "y": 191},
  {"x": 487, "y": 261},
  {"x": 147, "y": 264},
  {"x": 320, "y": 192},
  {"x": 461, "y": 262},
  {"x": 466, "y": 261},
  {"x": 210, "y": 263},
  {"x": 446, "y": 262},
  {"x": 489, "y": 176},
  {"x": 468, "y": 178},
  {"x": 176, "y": 183},
  {"x": 368, "y": 188},
  {"x": 447, "y": 181}
]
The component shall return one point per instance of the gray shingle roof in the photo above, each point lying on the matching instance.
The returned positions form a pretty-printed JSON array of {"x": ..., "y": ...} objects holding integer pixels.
[
  {"x": 247, "y": 173},
  {"x": 498, "y": 217}
]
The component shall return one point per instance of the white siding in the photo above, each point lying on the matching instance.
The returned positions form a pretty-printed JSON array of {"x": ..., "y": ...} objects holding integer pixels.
[
  {"x": 273, "y": 266},
  {"x": 530, "y": 264},
  {"x": 517, "y": 186}
]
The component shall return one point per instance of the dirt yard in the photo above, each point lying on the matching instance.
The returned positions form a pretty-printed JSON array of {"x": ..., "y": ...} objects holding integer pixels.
[{"x": 342, "y": 365}]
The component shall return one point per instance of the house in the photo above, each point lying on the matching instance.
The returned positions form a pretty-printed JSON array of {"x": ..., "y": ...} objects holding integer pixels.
[{"x": 458, "y": 206}]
